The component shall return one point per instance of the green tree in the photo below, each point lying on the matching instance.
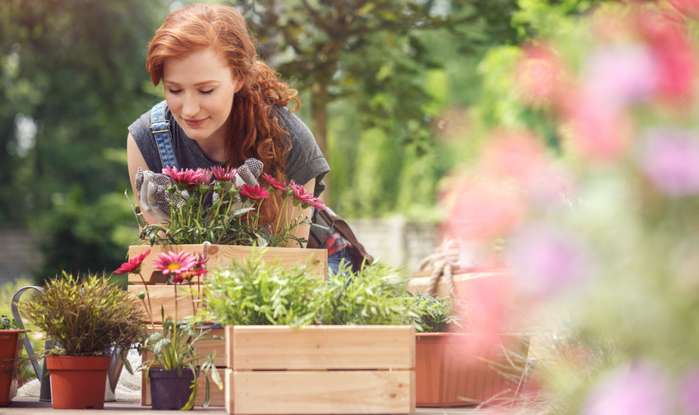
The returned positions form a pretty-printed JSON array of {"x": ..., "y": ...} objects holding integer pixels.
[{"x": 74, "y": 70}]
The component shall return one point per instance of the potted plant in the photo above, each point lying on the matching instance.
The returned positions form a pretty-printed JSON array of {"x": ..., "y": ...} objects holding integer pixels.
[
  {"x": 345, "y": 345},
  {"x": 85, "y": 318},
  {"x": 206, "y": 212},
  {"x": 449, "y": 371},
  {"x": 171, "y": 359},
  {"x": 10, "y": 346}
]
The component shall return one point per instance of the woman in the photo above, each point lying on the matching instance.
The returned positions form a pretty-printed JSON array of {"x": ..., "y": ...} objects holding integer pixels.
[{"x": 222, "y": 105}]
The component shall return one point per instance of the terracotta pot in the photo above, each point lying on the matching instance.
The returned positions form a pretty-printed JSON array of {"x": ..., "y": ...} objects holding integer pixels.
[
  {"x": 10, "y": 347},
  {"x": 169, "y": 389},
  {"x": 447, "y": 373},
  {"x": 77, "y": 382}
]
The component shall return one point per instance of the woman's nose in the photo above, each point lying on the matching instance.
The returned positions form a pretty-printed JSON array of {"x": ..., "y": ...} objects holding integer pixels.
[{"x": 190, "y": 107}]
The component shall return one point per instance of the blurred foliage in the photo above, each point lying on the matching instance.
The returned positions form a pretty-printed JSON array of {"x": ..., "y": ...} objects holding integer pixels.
[
  {"x": 73, "y": 72},
  {"x": 376, "y": 78}
]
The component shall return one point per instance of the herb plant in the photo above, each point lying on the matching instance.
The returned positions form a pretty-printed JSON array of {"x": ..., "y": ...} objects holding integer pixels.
[{"x": 87, "y": 317}]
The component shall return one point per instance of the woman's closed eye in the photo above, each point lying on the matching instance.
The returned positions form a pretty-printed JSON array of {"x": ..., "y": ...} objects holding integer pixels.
[{"x": 177, "y": 91}]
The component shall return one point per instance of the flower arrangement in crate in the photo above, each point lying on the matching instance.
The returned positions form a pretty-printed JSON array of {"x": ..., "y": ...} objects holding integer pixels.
[
  {"x": 221, "y": 205},
  {"x": 228, "y": 208},
  {"x": 173, "y": 365}
]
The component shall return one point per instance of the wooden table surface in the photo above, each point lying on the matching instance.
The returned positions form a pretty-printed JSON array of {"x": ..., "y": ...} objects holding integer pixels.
[{"x": 32, "y": 407}]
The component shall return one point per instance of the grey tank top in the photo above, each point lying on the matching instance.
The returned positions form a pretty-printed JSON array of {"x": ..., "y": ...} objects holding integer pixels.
[{"x": 304, "y": 162}]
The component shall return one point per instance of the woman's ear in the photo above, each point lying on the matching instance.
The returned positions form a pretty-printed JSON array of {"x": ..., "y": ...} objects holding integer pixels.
[{"x": 238, "y": 85}]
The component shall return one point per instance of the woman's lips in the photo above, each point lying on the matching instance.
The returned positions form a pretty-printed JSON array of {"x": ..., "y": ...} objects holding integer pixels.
[{"x": 195, "y": 123}]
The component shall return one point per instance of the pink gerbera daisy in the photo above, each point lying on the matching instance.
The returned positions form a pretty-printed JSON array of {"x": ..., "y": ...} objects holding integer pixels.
[
  {"x": 133, "y": 265},
  {"x": 175, "y": 263},
  {"x": 254, "y": 192},
  {"x": 223, "y": 174},
  {"x": 188, "y": 177},
  {"x": 273, "y": 182}
]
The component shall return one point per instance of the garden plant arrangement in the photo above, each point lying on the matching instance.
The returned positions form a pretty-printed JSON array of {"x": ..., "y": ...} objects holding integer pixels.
[
  {"x": 87, "y": 319},
  {"x": 354, "y": 332},
  {"x": 10, "y": 346},
  {"x": 210, "y": 205},
  {"x": 171, "y": 360}
]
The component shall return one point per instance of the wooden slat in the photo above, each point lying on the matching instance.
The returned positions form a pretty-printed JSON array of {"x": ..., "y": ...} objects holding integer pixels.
[
  {"x": 320, "y": 392},
  {"x": 163, "y": 295},
  {"x": 320, "y": 347},
  {"x": 223, "y": 255},
  {"x": 217, "y": 398},
  {"x": 214, "y": 342}
]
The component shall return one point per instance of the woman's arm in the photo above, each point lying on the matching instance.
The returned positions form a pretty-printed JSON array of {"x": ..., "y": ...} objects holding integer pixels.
[
  {"x": 135, "y": 161},
  {"x": 302, "y": 231}
]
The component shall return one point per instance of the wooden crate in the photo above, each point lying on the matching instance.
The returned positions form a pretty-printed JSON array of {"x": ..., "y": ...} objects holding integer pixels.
[
  {"x": 223, "y": 255},
  {"x": 214, "y": 342},
  {"x": 163, "y": 295},
  {"x": 320, "y": 370}
]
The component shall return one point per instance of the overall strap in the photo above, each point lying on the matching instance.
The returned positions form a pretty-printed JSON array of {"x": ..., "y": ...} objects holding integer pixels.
[{"x": 160, "y": 128}]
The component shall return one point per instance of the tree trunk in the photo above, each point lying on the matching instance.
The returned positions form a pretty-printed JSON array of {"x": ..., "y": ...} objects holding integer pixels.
[{"x": 319, "y": 115}]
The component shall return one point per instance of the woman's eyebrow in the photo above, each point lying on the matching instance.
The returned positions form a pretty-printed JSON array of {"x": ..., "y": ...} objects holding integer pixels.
[{"x": 212, "y": 81}]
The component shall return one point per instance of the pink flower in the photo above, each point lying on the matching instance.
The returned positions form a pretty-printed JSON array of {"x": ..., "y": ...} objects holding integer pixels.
[
  {"x": 544, "y": 260},
  {"x": 482, "y": 209},
  {"x": 133, "y": 265},
  {"x": 540, "y": 75},
  {"x": 689, "y": 393},
  {"x": 620, "y": 74},
  {"x": 273, "y": 182},
  {"x": 175, "y": 263},
  {"x": 301, "y": 195},
  {"x": 317, "y": 203},
  {"x": 673, "y": 53},
  {"x": 188, "y": 177},
  {"x": 223, "y": 174},
  {"x": 254, "y": 192},
  {"x": 599, "y": 132},
  {"x": 671, "y": 162},
  {"x": 639, "y": 389}
]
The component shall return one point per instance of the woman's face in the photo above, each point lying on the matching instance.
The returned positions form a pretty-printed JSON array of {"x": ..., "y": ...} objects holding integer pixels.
[{"x": 199, "y": 90}]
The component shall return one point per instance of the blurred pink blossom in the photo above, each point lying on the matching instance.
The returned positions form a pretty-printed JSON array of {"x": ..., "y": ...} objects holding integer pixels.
[
  {"x": 486, "y": 312},
  {"x": 688, "y": 7},
  {"x": 598, "y": 132},
  {"x": 540, "y": 75},
  {"x": 522, "y": 158},
  {"x": 689, "y": 393},
  {"x": 544, "y": 261},
  {"x": 667, "y": 37},
  {"x": 640, "y": 389},
  {"x": 483, "y": 208},
  {"x": 619, "y": 74},
  {"x": 670, "y": 159}
]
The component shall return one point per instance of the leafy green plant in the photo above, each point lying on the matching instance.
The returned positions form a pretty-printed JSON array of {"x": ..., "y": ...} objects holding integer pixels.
[
  {"x": 431, "y": 314},
  {"x": 254, "y": 292},
  {"x": 7, "y": 323},
  {"x": 87, "y": 316},
  {"x": 374, "y": 295},
  {"x": 172, "y": 348}
]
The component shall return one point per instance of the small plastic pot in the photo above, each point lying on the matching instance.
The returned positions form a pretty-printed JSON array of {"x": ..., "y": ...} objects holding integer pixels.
[{"x": 170, "y": 389}]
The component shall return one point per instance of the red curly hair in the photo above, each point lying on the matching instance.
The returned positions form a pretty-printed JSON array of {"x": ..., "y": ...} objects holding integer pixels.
[{"x": 200, "y": 26}]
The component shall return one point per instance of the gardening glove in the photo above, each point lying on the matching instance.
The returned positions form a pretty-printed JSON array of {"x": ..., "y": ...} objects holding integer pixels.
[
  {"x": 153, "y": 196},
  {"x": 248, "y": 172}
]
